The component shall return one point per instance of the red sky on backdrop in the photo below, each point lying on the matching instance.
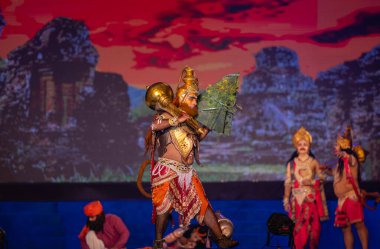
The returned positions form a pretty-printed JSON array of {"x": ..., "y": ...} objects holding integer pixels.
[{"x": 149, "y": 41}]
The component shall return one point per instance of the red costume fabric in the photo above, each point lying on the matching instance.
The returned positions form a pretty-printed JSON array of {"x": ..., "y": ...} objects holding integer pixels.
[
  {"x": 350, "y": 208},
  {"x": 307, "y": 225},
  {"x": 349, "y": 213},
  {"x": 308, "y": 213}
]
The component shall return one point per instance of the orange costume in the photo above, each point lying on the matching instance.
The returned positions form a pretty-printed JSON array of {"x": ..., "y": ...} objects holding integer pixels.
[
  {"x": 176, "y": 134},
  {"x": 174, "y": 181},
  {"x": 175, "y": 185}
]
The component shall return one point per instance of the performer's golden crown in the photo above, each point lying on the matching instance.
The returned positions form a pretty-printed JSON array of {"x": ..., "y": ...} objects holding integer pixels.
[
  {"x": 345, "y": 141},
  {"x": 301, "y": 134},
  {"x": 190, "y": 86}
]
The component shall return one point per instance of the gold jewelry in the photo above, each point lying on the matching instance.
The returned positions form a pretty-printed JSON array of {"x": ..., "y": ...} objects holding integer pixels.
[
  {"x": 173, "y": 121},
  {"x": 301, "y": 134},
  {"x": 303, "y": 161}
]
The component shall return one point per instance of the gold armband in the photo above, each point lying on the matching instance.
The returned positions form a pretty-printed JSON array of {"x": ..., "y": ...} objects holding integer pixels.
[{"x": 173, "y": 121}]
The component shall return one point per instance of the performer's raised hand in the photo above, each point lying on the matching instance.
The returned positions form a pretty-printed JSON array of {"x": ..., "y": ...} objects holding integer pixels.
[
  {"x": 326, "y": 168},
  {"x": 183, "y": 117}
]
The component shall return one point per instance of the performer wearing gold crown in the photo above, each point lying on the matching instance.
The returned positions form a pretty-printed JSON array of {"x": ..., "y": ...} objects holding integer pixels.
[
  {"x": 175, "y": 183},
  {"x": 304, "y": 197},
  {"x": 347, "y": 189}
]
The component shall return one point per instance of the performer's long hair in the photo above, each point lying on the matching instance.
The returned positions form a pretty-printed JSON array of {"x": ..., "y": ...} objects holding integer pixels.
[
  {"x": 341, "y": 163},
  {"x": 295, "y": 154}
]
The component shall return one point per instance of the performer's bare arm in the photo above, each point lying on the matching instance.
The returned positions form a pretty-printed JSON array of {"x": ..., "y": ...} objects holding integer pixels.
[
  {"x": 288, "y": 187},
  {"x": 327, "y": 171},
  {"x": 162, "y": 122},
  {"x": 320, "y": 174},
  {"x": 353, "y": 163}
]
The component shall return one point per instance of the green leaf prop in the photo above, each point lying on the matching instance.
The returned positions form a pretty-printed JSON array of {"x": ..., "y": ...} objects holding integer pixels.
[{"x": 217, "y": 104}]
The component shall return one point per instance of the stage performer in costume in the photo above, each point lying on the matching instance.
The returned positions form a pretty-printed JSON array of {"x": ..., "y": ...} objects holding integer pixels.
[
  {"x": 102, "y": 230},
  {"x": 304, "y": 197},
  {"x": 194, "y": 236},
  {"x": 347, "y": 189},
  {"x": 176, "y": 134}
]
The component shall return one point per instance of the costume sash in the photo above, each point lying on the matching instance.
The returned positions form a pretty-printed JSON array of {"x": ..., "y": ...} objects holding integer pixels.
[{"x": 350, "y": 178}]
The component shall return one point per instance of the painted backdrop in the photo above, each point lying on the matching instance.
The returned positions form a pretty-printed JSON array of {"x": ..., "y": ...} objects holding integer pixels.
[{"x": 73, "y": 73}]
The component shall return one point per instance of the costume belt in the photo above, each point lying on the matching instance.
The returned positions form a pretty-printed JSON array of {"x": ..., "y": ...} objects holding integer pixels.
[
  {"x": 175, "y": 165},
  {"x": 302, "y": 194},
  {"x": 305, "y": 191},
  {"x": 184, "y": 172}
]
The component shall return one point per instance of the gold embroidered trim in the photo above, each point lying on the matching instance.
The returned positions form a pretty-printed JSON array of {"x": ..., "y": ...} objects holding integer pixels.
[
  {"x": 166, "y": 204},
  {"x": 175, "y": 165}
]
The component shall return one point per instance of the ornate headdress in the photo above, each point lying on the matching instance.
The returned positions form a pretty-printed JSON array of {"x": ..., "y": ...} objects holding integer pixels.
[
  {"x": 301, "y": 134},
  {"x": 190, "y": 86},
  {"x": 361, "y": 153},
  {"x": 345, "y": 141}
]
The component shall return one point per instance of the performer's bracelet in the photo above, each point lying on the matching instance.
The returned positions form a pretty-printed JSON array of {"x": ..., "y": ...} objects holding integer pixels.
[{"x": 173, "y": 121}]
